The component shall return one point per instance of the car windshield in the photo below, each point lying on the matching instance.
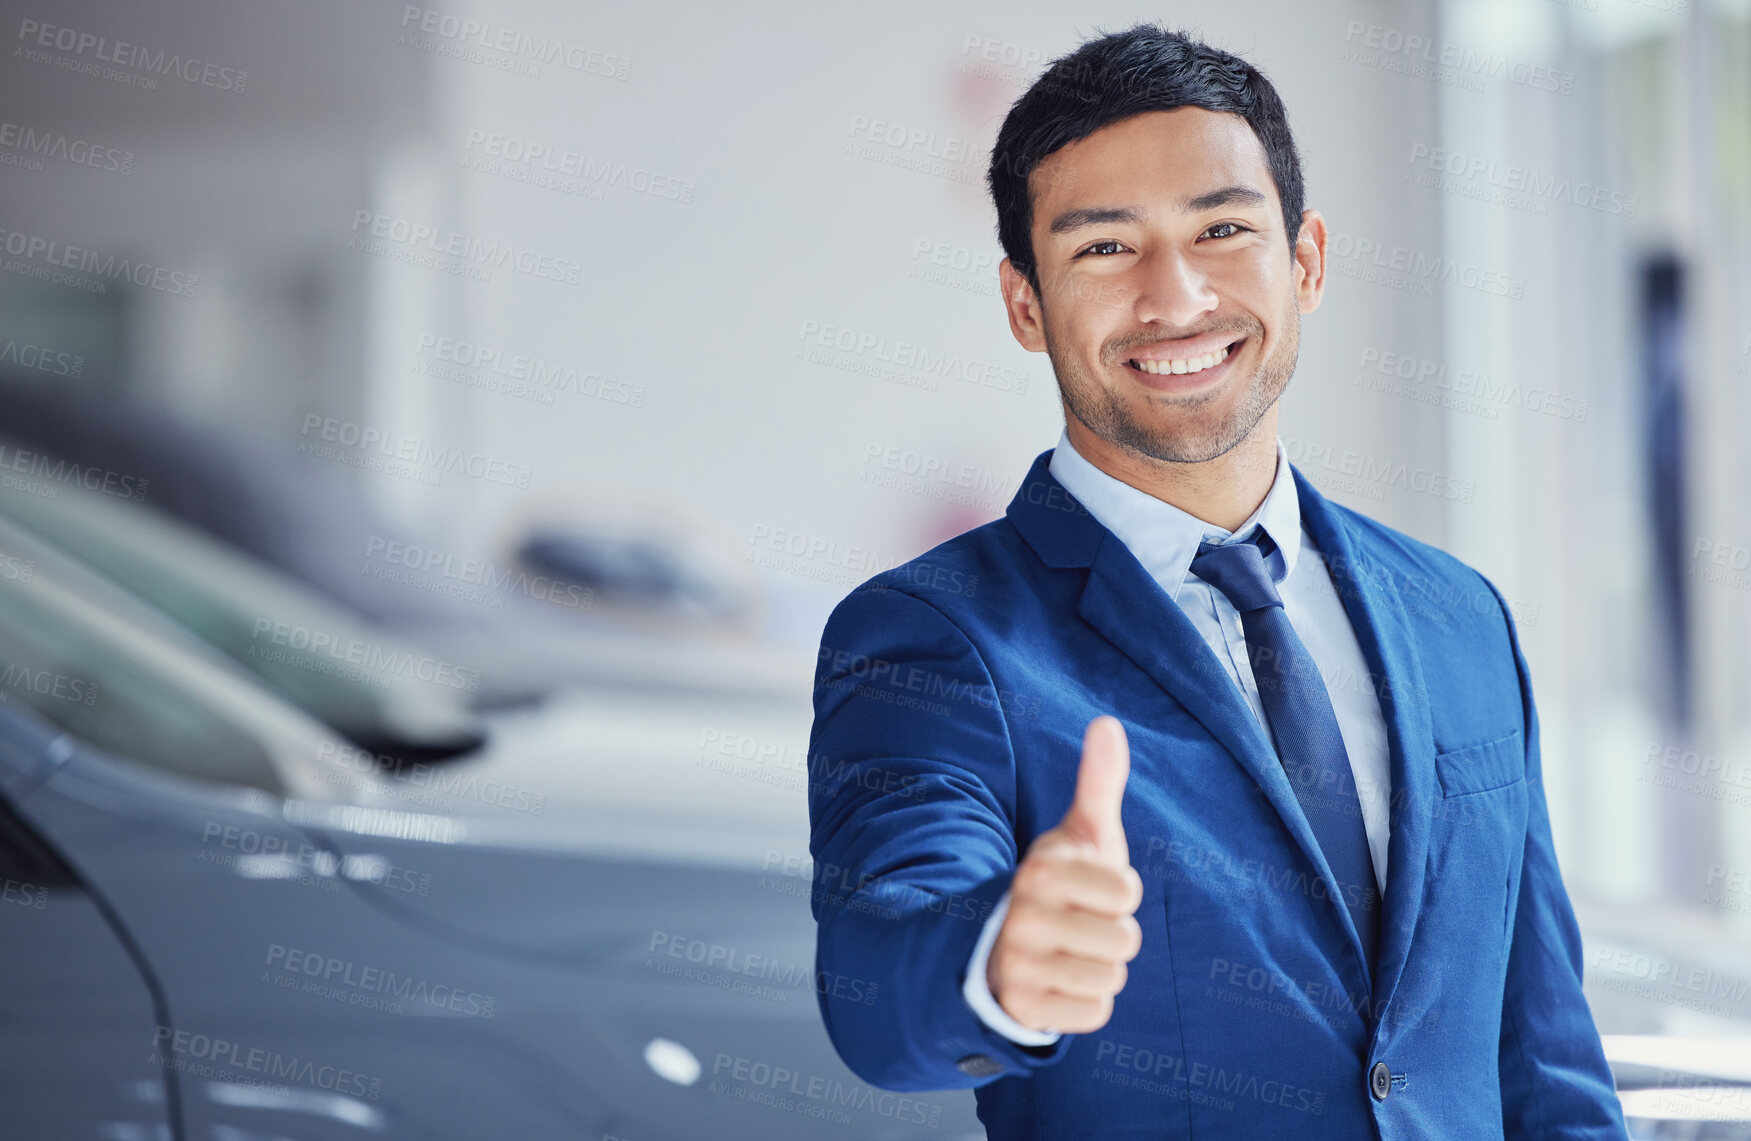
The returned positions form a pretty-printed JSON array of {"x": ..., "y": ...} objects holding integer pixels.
[
  {"x": 373, "y": 687},
  {"x": 96, "y": 663}
]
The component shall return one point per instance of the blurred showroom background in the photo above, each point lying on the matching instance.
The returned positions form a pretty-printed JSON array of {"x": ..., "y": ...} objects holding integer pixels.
[{"x": 375, "y": 303}]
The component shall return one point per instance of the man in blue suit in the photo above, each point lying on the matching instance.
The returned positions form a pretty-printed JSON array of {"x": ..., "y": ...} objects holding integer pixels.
[{"x": 1182, "y": 802}]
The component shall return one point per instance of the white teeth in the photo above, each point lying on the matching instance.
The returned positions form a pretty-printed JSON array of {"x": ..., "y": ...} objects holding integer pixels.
[{"x": 1192, "y": 364}]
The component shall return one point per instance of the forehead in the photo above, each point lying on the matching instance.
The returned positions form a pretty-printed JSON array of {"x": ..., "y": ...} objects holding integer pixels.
[{"x": 1153, "y": 160}]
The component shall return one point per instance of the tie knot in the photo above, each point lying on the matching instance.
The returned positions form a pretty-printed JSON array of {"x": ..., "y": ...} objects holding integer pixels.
[{"x": 1239, "y": 571}]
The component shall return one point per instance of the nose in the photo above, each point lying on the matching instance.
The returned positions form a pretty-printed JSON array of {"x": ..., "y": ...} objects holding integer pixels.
[{"x": 1173, "y": 290}]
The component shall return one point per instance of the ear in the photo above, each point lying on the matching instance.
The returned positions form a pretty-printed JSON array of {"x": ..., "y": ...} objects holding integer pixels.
[
  {"x": 1027, "y": 319},
  {"x": 1310, "y": 261}
]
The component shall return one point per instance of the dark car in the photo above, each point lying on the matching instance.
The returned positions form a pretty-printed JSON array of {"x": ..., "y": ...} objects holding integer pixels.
[{"x": 222, "y": 918}]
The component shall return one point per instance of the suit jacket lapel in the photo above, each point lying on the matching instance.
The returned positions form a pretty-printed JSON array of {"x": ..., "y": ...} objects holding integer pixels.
[
  {"x": 1371, "y": 599},
  {"x": 1131, "y": 611}
]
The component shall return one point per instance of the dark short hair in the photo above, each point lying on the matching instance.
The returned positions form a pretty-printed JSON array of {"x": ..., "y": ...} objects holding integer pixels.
[{"x": 1145, "y": 68}]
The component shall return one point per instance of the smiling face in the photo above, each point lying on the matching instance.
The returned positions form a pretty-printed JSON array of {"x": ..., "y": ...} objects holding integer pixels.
[{"x": 1169, "y": 303}]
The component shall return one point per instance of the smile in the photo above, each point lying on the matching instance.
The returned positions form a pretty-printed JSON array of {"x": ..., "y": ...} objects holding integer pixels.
[{"x": 1183, "y": 365}]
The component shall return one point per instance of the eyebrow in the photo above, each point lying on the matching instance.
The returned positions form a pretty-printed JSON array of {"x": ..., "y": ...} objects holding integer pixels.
[{"x": 1105, "y": 215}]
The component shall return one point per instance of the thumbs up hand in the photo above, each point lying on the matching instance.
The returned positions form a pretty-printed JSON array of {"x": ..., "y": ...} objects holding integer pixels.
[{"x": 1060, "y": 955}]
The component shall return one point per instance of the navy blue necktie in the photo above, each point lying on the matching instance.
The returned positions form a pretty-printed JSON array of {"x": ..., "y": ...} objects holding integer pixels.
[{"x": 1301, "y": 720}]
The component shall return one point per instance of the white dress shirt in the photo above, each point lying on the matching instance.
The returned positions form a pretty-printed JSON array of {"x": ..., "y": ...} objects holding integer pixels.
[{"x": 1164, "y": 540}]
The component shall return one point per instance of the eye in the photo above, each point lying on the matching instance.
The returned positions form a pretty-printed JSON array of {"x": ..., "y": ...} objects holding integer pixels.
[
  {"x": 1234, "y": 227},
  {"x": 1099, "y": 245}
]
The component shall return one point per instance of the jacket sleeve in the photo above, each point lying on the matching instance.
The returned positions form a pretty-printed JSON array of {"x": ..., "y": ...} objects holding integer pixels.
[
  {"x": 976, "y": 988},
  {"x": 1555, "y": 1080},
  {"x": 912, "y": 833}
]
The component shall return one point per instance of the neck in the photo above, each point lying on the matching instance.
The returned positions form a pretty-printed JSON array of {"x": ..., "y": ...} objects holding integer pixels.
[{"x": 1224, "y": 491}]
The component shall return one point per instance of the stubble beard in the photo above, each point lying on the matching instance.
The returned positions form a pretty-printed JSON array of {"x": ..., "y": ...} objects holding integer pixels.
[{"x": 1176, "y": 440}]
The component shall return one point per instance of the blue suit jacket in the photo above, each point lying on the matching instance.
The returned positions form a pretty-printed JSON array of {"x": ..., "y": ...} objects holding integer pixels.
[{"x": 951, "y": 695}]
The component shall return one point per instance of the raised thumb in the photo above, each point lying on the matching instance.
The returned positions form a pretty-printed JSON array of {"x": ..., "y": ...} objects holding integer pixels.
[{"x": 1100, "y": 788}]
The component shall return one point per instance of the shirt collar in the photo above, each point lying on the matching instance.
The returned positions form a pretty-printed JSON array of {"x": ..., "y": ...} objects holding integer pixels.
[{"x": 1163, "y": 538}]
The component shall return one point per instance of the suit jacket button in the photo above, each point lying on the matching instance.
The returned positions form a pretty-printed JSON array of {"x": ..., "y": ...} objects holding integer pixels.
[
  {"x": 1380, "y": 1081},
  {"x": 979, "y": 1065}
]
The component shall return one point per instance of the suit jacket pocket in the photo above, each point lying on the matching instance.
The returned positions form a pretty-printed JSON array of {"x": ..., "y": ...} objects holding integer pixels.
[
  {"x": 1480, "y": 833},
  {"x": 1481, "y": 768}
]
